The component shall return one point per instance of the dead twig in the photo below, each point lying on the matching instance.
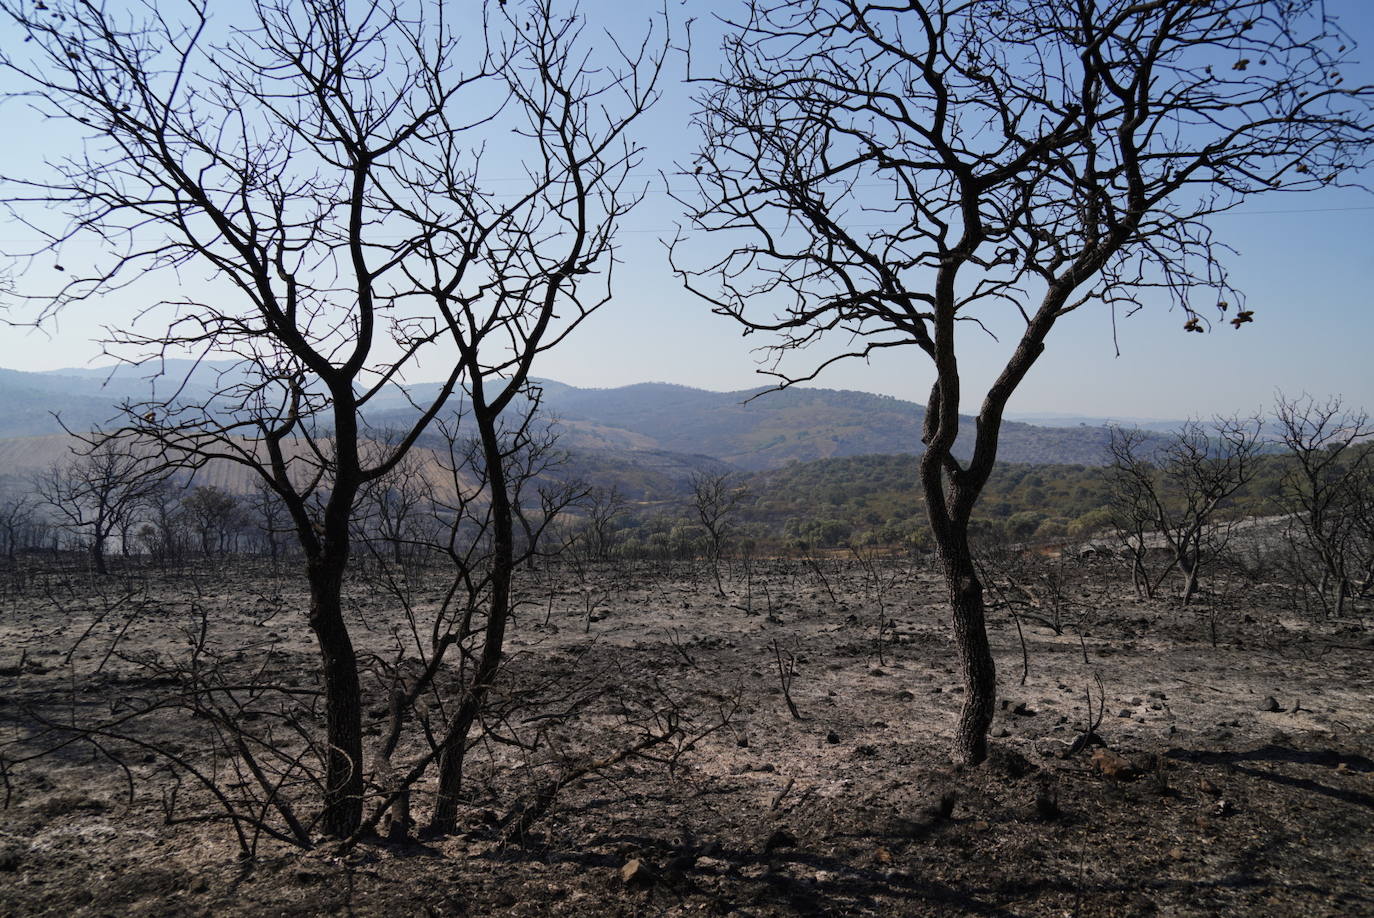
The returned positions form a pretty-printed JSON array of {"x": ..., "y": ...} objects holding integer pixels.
[{"x": 787, "y": 671}]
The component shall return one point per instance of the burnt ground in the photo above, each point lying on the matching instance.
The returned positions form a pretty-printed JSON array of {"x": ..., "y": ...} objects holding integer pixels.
[{"x": 1242, "y": 780}]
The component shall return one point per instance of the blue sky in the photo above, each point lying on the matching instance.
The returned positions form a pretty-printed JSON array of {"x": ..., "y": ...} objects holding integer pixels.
[{"x": 1305, "y": 262}]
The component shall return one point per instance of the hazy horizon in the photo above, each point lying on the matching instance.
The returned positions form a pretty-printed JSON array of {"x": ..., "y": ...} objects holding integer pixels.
[
  {"x": 1017, "y": 415},
  {"x": 1304, "y": 261}
]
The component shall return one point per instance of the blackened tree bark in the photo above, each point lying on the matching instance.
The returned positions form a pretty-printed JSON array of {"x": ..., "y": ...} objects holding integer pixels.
[
  {"x": 886, "y": 172},
  {"x": 501, "y": 567}
]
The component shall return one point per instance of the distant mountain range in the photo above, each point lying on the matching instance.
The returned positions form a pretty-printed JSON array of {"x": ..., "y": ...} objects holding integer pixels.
[
  {"x": 760, "y": 429},
  {"x": 1058, "y": 419},
  {"x": 651, "y": 432}
]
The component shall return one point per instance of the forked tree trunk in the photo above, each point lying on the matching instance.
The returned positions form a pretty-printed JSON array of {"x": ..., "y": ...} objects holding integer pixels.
[
  {"x": 343, "y": 792},
  {"x": 454, "y": 749},
  {"x": 965, "y": 593},
  {"x": 949, "y": 516},
  {"x": 1188, "y": 565},
  {"x": 1143, "y": 588}
]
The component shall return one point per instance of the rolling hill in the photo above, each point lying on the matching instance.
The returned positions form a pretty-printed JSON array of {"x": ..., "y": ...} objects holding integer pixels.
[{"x": 647, "y": 437}]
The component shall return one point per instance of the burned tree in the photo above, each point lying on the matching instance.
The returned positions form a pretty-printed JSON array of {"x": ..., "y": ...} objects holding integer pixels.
[
  {"x": 1177, "y": 495},
  {"x": 1328, "y": 489},
  {"x": 98, "y": 493},
  {"x": 603, "y": 508},
  {"x": 715, "y": 498},
  {"x": 270, "y": 519},
  {"x": 894, "y": 173},
  {"x": 490, "y": 475},
  {"x": 367, "y": 186},
  {"x": 164, "y": 534},
  {"x": 16, "y": 524},
  {"x": 393, "y": 513},
  {"x": 214, "y": 517},
  {"x": 1130, "y": 490}
]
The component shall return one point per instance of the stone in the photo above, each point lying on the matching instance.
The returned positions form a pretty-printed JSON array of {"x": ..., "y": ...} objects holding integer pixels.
[
  {"x": 1270, "y": 705},
  {"x": 636, "y": 874},
  {"x": 1113, "y": 765}
]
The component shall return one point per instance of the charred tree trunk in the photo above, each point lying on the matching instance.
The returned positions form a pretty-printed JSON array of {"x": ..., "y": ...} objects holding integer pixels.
[
  {"x": 454, "y": 749},
  {"x": 328, "y": 550},
  {"x": 949, "y": 523},
  {"x": 715, "y": 569},
  {"x": 98, "y": 554},
  {"x": 965, "y": 593},
  {"x": 1188, "y": 565},
  {"x": 975, "y": 656},
  {"x": 343, "y": 792},
  {"x": 1141, "y": 580}
]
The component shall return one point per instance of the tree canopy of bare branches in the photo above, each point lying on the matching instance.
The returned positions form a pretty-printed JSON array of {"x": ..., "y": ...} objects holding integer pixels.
[
  {"x": 715, "y": 499},
  {"x": 366, "y": 186},
  {"x": 893, "y": 174},
  {"x": 1328, "y": 491},
  {"x": 98, "y": 494},
  {"x": 1176, "y": 496}
]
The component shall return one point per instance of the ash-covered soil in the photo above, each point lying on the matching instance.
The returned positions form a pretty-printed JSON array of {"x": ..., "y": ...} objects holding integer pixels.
[{"x": 1230, "y": 771}]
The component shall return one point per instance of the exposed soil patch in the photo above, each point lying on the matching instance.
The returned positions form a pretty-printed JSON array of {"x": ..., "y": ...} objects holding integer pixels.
[{"x": 1238, "y": 778}]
